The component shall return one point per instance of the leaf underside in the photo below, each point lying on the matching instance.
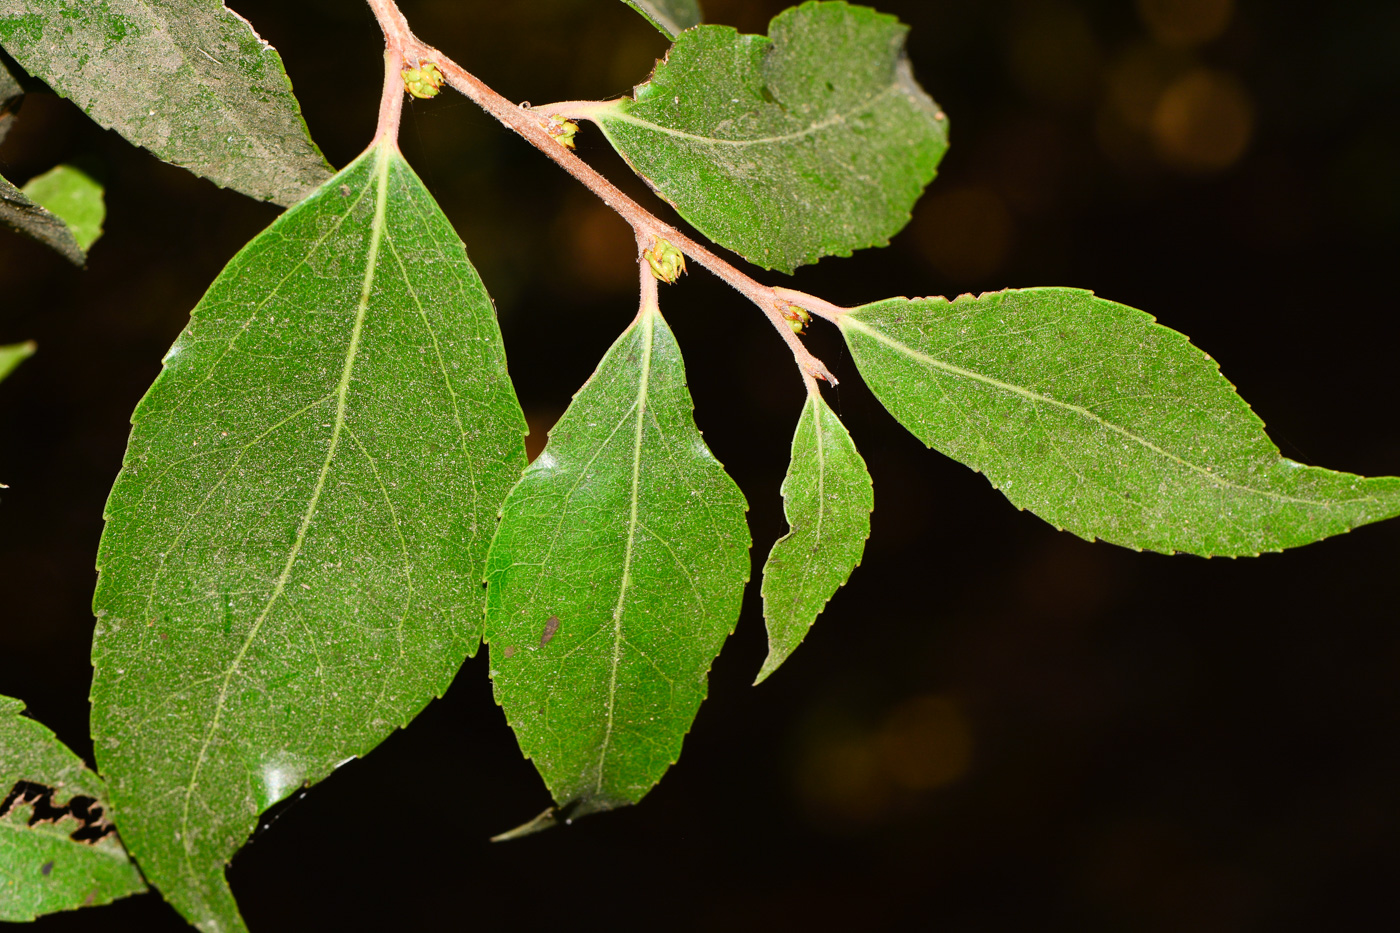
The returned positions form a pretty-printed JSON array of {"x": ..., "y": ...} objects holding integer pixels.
[
  {"x": 614, "y": 578},
  {"x": 827, "y": 498},
  {"x": 58, "y": 850},
  {"x": 1100, "y": 421},
  {"x": 293, "y": 553},
  {"x": 813, "y": 141},
  {"x": 187, "y": 79},
  {"x": 19, "y": 212},
  {"x": 672, "y": 17}
]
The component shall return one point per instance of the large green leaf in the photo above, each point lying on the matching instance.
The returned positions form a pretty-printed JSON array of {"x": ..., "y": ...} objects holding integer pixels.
[
  {"x": 74, "y": 197},
  {"x": 58, "y": 850},
  {"x": 1101, "y": 422},
  {"x": 672, "y": 17},
  {"x": 21, "y": 214},
  {"x": 187, "y": 79},
  {"x": 827, "y": 498},
  {"x": 812, "y": 142},
  {"x": 615, "y": 577},
  {"x": 293, "y": 555}
]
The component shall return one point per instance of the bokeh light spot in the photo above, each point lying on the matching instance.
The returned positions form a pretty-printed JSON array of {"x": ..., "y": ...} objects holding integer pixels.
[
  {"x": 1185, "y": 23},
  {"x": 925, "y": 743},
  {"x": 1203, "y": 122},
  {"x": 966, "y": 233}
]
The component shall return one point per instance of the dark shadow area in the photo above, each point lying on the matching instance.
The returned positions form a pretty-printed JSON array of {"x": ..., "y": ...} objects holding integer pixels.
[{"x": 994, "y": 726}]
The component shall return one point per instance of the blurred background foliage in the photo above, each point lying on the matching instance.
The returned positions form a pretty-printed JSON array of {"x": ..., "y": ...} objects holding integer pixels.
[{"x": 995, "y": 725}]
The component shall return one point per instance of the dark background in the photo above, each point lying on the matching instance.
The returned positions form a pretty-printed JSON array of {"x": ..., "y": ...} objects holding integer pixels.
[{"x": 994, "y": 726}]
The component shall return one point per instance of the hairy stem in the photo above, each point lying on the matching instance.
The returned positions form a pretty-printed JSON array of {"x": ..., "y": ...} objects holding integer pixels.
[{"x": 531, "y": 124}]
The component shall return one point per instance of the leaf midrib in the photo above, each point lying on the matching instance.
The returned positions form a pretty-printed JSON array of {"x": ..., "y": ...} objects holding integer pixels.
[
  {"x": 1036, "y": 397},
  {"x": 622, "y": 116},
  {"x": 649, "y": 325},
  {"x": 342, "y": 390}
]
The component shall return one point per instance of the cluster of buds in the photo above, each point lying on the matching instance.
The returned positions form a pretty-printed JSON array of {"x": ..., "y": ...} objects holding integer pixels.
[
  {"x": 562, "y": 130},
  {"x": 423, "y": 81},
  {"x": 667, "y": 263},
  {"x": 796, "y": 317}
]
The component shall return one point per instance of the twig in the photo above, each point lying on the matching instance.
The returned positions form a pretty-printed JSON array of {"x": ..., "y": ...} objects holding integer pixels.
[{"x": 529, "y": 124}]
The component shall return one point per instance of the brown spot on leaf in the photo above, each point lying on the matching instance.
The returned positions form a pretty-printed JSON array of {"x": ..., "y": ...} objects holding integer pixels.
[
  {"x": 551, "y": 626},
  {"x": 47, "y": 869},
  {"x": 510, "y": 651}
]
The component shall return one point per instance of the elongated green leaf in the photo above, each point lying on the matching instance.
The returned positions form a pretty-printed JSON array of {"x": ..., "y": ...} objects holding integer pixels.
[
  {"x": 187, "y": 79},
  {"x": 21, "y": 214},
  {"x": 58, "y": 847},
  {"x": 813, "y": 142},
  {"x": 615, "y": 576},
  {"x": 14, "y": 354},
  {"x": 74, "y": 197},
  {"x": 292, "y": 561},
  {"x": 672, "y": 17},
  {"x": 827, "y": 498},
  {"x": 1101, "y": 422}
]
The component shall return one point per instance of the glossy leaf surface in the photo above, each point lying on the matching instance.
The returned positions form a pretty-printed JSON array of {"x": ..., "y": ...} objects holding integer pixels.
[
  {"x": 1100, "y": 421},
  {"x": 813, "y": 141},
  {"x": 670, "y": 16},
  {"x": 827, "y": 498},
  {"x": 292, "y": 562},
  {"x": 58, "y": 848},
  {"x": 74, "y": 197},
  {"x": 188, "y": 80},
  {"x": 615, "y": 577},
  {"x": 21, "y": 214}
]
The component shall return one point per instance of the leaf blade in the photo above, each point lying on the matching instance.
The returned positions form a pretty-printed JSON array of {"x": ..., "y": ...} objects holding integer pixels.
[
  {"x": 11, "y": 355},
  {"x": 813, "y": 141},
  {"x": 827, "y": 499},
  {"x": 189, "y": 80},
  {"x": 623, "y": 532},
  {"x": 43, "y": 868},
  {"x": 24, "y": 216},
  {"x": 297, "y": 535},
  {"x": 74, "y": 197},
  {"x": 1141, "y": 441},
  {"x": 671, "y": 17}
]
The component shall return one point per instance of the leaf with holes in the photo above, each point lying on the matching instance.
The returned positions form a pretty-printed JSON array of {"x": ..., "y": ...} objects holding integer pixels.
[
  {"x": 827, "y": 498},
  {"x": 615, "y": 577},
  {"x": 1101, "y": 422},
  {"x": 187, "y": 79},
  {"x": 58, "y": 850},
  {"x": 672, "y": 17},
  {"x": 292, "y": 562},
  {"x": 811, "y": 142}
]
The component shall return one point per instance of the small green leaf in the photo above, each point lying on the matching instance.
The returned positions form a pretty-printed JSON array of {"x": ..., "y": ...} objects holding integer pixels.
[
  {"x": 22, "y": 215},
  {"x": 14, "y": 354},
  {"x": 672, "y": 17},
  {"x": 615, "y": 577},
  {"x": 1101, "y": 422},
  {"x": 58, "y": 848},
  {"x": 813, "y": 142},
  {"x": 827, "y": 498},
  {"x": 74, "y": 197},
  {"x": 292, "y": 562},
  {"x": 187, "y": 79}
]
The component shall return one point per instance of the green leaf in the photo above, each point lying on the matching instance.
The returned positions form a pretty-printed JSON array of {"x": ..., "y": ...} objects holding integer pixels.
[
  {"x": 74, "y": 197},
  {"x": 813, "y": 142},
  {"x": 187, "y": 79},
  {"x": 21, "y": 214},
  {"x": 58, "y": 848},
  {"x": 293, "y": 555},
  {"x": 827, "y": 498},
  {"x": 14, "y": 354},
  {"x": 1101, "y": 422},
  {"x": 672, "y": 17},
  {"x": 615, "y": 577}
]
